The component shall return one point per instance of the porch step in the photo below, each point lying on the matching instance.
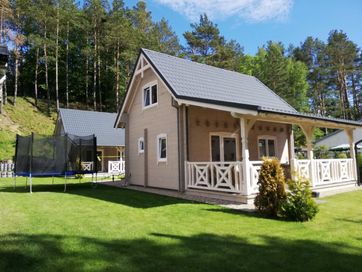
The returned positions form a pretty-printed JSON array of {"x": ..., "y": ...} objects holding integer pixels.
[{"x": 333, "y": 189}]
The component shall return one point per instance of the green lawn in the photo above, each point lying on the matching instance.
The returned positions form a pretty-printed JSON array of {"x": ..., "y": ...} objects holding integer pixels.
[{"x": 111, "y": 229}]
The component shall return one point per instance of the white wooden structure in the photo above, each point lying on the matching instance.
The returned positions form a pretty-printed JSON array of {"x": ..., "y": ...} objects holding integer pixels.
[
  {"x": 6, "y": 170},
  {"x": 229, "y": 177},
  {"x": 116, "y": 167}
]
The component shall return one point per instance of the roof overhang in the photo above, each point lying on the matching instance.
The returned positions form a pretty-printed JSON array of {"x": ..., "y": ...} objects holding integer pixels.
[{"x": 303, "y": 119}]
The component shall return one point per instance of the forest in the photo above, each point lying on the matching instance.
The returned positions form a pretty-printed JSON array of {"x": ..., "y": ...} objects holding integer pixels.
[{"x": 64, "y": 52}]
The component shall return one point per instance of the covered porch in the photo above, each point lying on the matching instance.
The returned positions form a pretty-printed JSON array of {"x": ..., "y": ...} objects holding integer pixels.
[{"x": 224, "y": 151}]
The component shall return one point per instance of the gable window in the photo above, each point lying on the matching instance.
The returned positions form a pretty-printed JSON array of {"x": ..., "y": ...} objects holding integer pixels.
[
  {"x": 266, "y": 146},
  {"x": 141, "y": 145},
  {"x": 150, "y": 95},
  {"x": 162, "y": 148}
]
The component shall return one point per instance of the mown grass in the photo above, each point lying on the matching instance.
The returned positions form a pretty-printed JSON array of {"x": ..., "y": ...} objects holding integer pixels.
[
  {"x": 23, "y": 118},
  {"x": 110, "y": 229}
]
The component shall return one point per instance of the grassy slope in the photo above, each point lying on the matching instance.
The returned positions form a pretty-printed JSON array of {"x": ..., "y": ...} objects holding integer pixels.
[
  {"x": 23, "y": 119},
  {"x": 111, "y": 229}
]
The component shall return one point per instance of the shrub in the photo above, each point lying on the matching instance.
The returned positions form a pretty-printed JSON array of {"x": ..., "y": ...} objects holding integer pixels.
[
  {"x": 299, "y": 204},
  {"x": 341, "y": 155},
  {"x": 271, "y": 187}
]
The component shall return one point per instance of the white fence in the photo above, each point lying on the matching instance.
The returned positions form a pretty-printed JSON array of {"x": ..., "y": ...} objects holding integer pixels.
[
  {"x": 228, "y": 176},
  {"x": 116, "y": 167},
  {"x": 326, "y": 171},
  {"x": 87, "y": 166},
  {"x": 215, "y": 176},
  {"x": 6, "y": 170}
]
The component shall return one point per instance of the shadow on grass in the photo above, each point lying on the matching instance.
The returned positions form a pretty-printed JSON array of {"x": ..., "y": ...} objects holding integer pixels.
[
  {"x": 102, "y": 192},
  {"x": 164, "y": 252}
]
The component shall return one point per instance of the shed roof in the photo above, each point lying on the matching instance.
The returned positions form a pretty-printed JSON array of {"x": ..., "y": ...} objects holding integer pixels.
[{"x": 82, "y": 123}]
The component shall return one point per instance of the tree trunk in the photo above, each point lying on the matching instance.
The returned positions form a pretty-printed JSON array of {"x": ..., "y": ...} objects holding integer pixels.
[
  {"x": 95, "y": 70},
  {"x": 99, "y": 81},
  {"x": 86, "y": 76},
  {"x": 56, "y": 62},
  {"x": 36, "y": 77},
  {"x": 355, "y": 98},
  {"x": 16, "y": 75},
  {"x": 117, "y": 76},
  {"x": 46, "y": 69},
  {"x": 67, "y": 70}
]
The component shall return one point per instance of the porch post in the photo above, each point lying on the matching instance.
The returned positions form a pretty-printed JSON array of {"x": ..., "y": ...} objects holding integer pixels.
[
  {"x": 352, "y": 152},
  {"x": 291, "y": 154},
  {"x": 245, "y": 125},
  {"x": 308, "y": 132}
]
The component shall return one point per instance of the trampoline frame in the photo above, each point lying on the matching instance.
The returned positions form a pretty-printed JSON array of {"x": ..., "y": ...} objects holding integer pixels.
[{"x": 65, "y": 173}]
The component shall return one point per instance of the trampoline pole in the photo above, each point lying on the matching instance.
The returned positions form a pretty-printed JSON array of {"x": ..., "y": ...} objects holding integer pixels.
[
  {"x": 65, "y": 183},
  {"x": 14, "y": 182},
  {"x": 52, "y": 179},
  {"x": 30, "y": 184},
  {"x": 26, "y": 182}
]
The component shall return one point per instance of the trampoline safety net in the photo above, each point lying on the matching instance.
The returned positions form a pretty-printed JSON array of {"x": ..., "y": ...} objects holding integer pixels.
[{"x": 38, "y": 155}]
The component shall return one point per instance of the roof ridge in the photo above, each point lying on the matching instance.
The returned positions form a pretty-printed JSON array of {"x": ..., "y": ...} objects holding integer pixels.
[{"x": 88, "y": 111}]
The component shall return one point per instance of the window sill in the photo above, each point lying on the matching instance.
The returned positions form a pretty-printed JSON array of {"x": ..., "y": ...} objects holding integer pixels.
[{"x": 149, "y": 106}]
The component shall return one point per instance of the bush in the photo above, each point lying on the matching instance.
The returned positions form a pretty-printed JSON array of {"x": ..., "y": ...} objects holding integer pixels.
[
  {"x": 271, "y": 187},
  {"x": 299, "y": 205},
  {"x": 341, "y": 155}
]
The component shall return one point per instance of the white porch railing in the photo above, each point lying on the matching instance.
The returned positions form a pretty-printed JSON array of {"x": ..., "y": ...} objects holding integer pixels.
[
  {"x": 326, "y": 171},
  {"x": 116, "y": 167},
  {"x": 254, "y": 168},
  {"x": 215, "y": 176},
  {"x": 6, "y": 170},
  {"x": 87, "y": 166}
]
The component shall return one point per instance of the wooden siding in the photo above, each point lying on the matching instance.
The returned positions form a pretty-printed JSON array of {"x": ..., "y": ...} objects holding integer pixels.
[
  {"x": 203, "y": 121},
  {"x": 158, "y": 119}
]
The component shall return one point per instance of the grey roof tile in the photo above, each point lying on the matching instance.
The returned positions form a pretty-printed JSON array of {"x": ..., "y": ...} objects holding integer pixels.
[
  {"x": 194, "y": 80},
  {"x": 82, "y": 123}
]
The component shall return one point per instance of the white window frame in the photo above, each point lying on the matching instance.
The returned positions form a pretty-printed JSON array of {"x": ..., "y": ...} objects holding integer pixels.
[
  {"x": 268, "y": 137},
  {"x": 159, "y": 137},
  {"x": 223, "y": 135},
  {"x": 149, "y": 85},
  {"x": 140, "y": 151}
]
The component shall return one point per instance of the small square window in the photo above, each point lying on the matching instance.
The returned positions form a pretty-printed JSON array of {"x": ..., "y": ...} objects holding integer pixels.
[{"x": 162, "y": 148}]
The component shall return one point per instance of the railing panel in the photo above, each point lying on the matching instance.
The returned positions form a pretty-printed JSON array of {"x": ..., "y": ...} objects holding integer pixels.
[
  {"x": 116, "y": 167},
  {"x": 6, "y": 170},
  {"x": 215, "y": 176},
  {"x": 326, "y": 171}
]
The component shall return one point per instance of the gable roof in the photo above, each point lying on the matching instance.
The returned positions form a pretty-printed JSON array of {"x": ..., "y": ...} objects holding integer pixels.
[
  {"x": 199, "y": 82},
  {"x": 83, "y": 123},
  {"x": 190, "y": 81}
]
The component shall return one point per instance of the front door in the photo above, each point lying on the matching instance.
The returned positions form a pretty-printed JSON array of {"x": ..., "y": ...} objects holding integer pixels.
[{"x": 223, "y": 148}]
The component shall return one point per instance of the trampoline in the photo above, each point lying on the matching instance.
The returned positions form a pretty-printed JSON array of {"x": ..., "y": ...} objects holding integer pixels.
[{"x": 54, "y": 156}]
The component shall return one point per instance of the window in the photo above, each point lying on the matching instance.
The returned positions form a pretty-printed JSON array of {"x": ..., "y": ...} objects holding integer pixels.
[
  {"x": 150, "y": 95},
  {"x": 141, "y": 145},
  {"x": 266, "y": 146},
  {"x": 223, "y": 147},
  {"x": 162, "y": 148}
]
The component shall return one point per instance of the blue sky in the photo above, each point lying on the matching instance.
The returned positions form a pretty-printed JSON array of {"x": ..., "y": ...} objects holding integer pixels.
[{"x": 254, "y": 22}]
